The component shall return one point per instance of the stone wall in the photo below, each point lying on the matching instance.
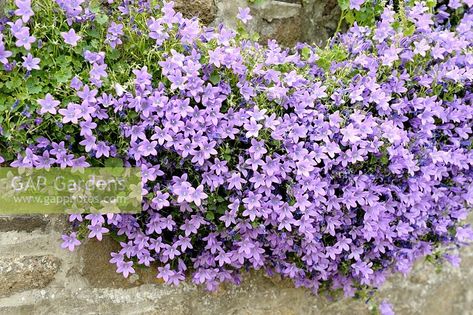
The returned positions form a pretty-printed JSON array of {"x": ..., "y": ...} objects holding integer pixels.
[
  {"x": 287, "y": 21},
  {"x": 37, "y": 277}
]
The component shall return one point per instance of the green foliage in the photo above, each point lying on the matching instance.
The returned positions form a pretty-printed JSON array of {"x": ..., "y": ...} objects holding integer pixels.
[
  {"x": 366, "y": 16},
  {"x": 337, "y": 53},
  {"x": 255, "y": 1},
  {"x": 20, "y": 89}
]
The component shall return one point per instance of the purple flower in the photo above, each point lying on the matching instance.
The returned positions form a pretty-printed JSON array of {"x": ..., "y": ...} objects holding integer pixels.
[
  {"x": 89, "y": 143},
  {"x": 252, "y": 128},
  {"x": 421, "y": 47},
  {"x": 235, "y": 181},
  {"x": 96, "y": 231},
  {"x": 76, "y": 83},
  {"x": 161, "y": 200},
  {"x": 70, "y": 114},
  {"x": 117, "y": 258},
  {"x": 198, "y": 195},
  {"x": 98, "y": 71},
  {"x": 165, "y": 273},
  {"x": 70, "y": 241},
  {"x": 24, "y": 39},
  {"x": 143, "y": 78},
  {"x": 71, "y": 37},
  {"x": 113, "y": 34},
  {"x": 244, "y": 15},
  {"x": 385, "y": 308},
  {"x": 356, "y": 4},
  {"x": 125, "y": 268},
  {"x": 48, "y": 105},
  {"x": 102, "y": 149},
  {"x": 87, "y": 95},
  {"x": 4, "y": 54},
  {"x": 362, "y": 269},
  {"x": 252, "y": 201},
  {"x": 148, "y": 148},
  {"x": 75, "y": 217},
  {"x": 24, "y": 9},
  {"x": 454, "y": 260},
  {"x": 390, "y": 55},
  {"x": 30, "y": 63}
]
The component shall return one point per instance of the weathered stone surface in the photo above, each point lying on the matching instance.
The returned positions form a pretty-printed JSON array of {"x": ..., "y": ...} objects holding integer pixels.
[
  {"x": 287, "y": 32},
  {"x": 288, "y": 22},
  {"x": 87, "y": 283},
  {"x": 2, "y": 5},
  {"x": 227, "y": 11},
  {"x": 423, "y": 292},
  {"x": 20, "y": 310},
  {"x": 277, "y": 10},
  {"x": 25, "y": 223},
  {"x": 28, "y": 272},
  {"x": 319, "y": 19},
  {"x": 205, "y": 10},
  {"x": 100, "y": 273}
]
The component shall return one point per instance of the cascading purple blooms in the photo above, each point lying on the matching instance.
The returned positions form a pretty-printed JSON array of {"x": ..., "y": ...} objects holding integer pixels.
[{"x": 259, "y": 157}]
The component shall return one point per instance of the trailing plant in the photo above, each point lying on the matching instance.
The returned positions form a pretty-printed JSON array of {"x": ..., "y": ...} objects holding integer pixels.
[{"x": 334, "y": 167}]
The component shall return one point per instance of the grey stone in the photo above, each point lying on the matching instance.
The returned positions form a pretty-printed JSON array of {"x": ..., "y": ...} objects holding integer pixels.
[
  {"x": 286, "y": 32},
  {"x": 2, "y": 5},
  {"x": 288, "y": 22},
  {"x": 205, "y": 10},
  {"x": 20, "y": 310},
  {"x": 100, "y": 273},
  {"x": 27, "y": 272},
  {"x": 277, "y": 10},
  {"x": 319, "y": 19},
  {"x": 27, "y": 223}
]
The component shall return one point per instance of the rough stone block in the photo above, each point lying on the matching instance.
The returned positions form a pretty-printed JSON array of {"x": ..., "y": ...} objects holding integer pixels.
[
  {"x": 28, "y": 272},
  {"x": 100, "y": 273},
  {"x": 205, "y": 10},
  {"x": 26, "y": 223}
]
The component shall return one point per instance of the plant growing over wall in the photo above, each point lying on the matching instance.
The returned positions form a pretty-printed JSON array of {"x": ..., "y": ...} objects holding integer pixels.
[{"x": 334, "y": 167}]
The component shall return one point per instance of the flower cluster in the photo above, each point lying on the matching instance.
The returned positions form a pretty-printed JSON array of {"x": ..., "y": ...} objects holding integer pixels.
[{"x": 333, "y": 167}]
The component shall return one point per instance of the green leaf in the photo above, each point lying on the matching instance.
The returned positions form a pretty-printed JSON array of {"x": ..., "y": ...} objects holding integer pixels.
[
  {"x": 64, "y": 60},
  {"x": 14, "y": 82},
  {"x": 94, "y": 43},
  {"x": 209, "y": 216},
  {"x": 33, "y": 87},
  {"x": 114, "y": 54},
  {"x": 410, "y": 30},
  {"x": 305, "y": 53},
  {"x": 215, "y": 78},
  {"x": 221, "y": 208},
  {"x": 118, "y": 238},
  {"x": 104, "y": 128},
  {"x": 63, "y": 75},
  {"x": 350, "y": 18},
  {"x": 431, "y": 3},
  {"x": 101, "y": 19},
  {"x": 344, "y": 4},
  {"x": 94, "y": 33},
  {"x": 113, "y": 162},
  {"x": 94, "y": 6}
]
